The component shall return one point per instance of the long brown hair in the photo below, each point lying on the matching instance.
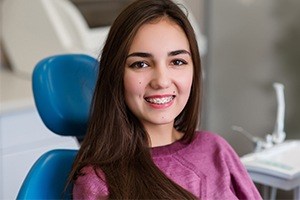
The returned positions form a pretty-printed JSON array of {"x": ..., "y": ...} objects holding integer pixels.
[{"x": 116, "y": 141}]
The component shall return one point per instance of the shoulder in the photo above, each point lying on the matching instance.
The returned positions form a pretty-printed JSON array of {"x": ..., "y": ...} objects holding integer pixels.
[
  {"x": 208, "y": 144},
  {"x": 90, "y": 184},
  {"x": 222, "y": 164},
  {"x": 216, "y": 146},
  {"x": 209, "y": 139}
]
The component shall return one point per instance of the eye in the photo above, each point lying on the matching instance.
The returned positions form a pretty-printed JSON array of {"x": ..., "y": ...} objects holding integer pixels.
[
  {"x": 139, "y": 64},
  {"x": 178, "y": 62}
]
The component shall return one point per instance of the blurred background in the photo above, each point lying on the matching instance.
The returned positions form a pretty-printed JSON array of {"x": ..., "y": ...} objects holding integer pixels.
[
  {"x": 252, "y": 44},
  {"x": 247, "y": 45}
]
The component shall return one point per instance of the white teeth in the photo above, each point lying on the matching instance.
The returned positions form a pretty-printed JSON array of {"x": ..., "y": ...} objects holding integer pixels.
[{"x": 162, "y": 100}]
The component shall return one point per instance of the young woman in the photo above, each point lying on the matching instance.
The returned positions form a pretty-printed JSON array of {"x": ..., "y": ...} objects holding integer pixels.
[{"x": 142, "y": 142}]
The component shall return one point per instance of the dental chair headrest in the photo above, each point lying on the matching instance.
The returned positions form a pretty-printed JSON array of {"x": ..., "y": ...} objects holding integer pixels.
[{"x": 63, "y": 87}]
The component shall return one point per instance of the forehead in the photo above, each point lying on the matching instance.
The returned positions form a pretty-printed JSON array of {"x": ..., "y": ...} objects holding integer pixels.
[{"x": 161, "y": 34}]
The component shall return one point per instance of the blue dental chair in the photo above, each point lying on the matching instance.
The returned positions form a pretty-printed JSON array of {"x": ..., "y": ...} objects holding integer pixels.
[{"x": 63, "y": 87}]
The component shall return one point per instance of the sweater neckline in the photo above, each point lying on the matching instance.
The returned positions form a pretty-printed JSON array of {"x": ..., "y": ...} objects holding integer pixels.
[{"x": 168, "y": 149}]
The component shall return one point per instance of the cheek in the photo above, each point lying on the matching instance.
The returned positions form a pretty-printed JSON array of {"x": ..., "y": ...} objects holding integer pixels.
[
  {"x": 133, "y": 86},
  {"x": 185, "y": 83}
]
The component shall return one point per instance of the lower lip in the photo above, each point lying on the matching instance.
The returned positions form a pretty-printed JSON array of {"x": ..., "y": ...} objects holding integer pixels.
[{"x": 161, "y": 106}]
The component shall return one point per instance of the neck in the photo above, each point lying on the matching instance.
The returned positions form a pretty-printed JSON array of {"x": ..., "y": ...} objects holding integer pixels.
[{"x": 161, "y": 135}]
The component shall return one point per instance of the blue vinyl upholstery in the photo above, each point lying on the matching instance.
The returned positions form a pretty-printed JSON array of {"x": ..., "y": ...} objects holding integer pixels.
[
  {"x": 63, "y": 87},
  {"x": 48, "y": 176}
]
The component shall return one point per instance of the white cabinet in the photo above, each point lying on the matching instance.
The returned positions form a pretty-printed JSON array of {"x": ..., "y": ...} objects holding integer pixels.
[{"x": 24, "y": 138}]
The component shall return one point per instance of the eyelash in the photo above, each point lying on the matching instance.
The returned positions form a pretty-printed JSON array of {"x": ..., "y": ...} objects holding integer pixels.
[
  {"x": 137, "y": 65},
  {"x": 183, "y": 62}
]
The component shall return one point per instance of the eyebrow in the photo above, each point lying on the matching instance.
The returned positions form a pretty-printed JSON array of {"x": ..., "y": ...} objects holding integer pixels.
[
  {"x": 177, "y": 52},
  {"x": 140, "y": 54},
  {"x": 149, "y": 55}
]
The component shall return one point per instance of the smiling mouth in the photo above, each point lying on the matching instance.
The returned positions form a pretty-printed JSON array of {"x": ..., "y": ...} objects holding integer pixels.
[{"x": 161, "y": 100}]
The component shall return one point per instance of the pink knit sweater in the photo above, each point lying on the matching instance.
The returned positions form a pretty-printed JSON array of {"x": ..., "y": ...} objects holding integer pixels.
[{"x": 208, "y": 167}]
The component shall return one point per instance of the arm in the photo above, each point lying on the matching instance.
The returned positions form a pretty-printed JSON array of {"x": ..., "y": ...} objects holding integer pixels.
[
  {"x": 90, "y": 185},
  {"x": 241, "y": 183}
]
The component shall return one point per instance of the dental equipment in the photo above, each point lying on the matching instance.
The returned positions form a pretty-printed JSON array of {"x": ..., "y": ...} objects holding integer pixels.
[
  {"x": 278, "y": 135},
  {"x": 259, "y": 143}
]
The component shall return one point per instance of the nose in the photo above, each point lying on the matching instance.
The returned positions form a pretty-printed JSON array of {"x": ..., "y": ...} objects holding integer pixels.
[{"x": 161, "y": 78}]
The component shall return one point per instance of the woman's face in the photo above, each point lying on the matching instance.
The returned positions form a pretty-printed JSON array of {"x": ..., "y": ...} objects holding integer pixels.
[{"x": 158, "y": 73}]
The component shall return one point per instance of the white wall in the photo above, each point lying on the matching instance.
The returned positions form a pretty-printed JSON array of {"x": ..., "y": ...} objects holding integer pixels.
[
  {"x": 243, "y": 64},
  {"x": 197, "y": 8}
]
